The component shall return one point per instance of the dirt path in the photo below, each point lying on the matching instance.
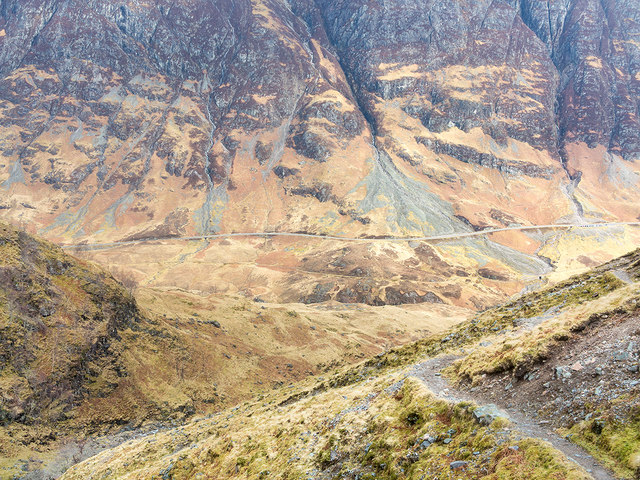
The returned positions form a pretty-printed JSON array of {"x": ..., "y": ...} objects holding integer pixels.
[
  {"x": 623, "y": 276},
  {"x": 434, "y": 238},
  {"x": 429, "y": 373}
]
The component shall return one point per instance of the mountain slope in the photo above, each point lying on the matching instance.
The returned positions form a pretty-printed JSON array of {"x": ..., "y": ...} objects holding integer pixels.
[
  {"x": 167, "y": 119},
  {"x": 84, "y": 364},
  {"x": 377, "y": 419},
  {"x": 389, "y": 428},
  {"x": 61, "y": 320}
]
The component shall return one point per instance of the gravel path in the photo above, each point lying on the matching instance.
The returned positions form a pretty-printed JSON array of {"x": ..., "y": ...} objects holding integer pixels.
[
  {"x": 623, "y": 276},
  {"x": 429, "y": 373}
]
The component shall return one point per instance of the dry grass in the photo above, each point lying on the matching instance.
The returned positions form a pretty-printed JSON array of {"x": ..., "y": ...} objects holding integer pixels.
[
  {"x": 517, "y": 348},
  {"x": 371, "y": 429}
]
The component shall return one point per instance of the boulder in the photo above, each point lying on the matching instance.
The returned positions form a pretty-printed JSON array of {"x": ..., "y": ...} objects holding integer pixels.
[
  {"x": 458, "y": 465},
  {"x": 487, "y": 414}
]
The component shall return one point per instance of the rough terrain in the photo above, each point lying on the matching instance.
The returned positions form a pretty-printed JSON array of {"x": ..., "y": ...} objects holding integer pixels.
[
  {"x": 163, "y": 129},
  {"x": 495, "y": 403},
  {"x": 171, "y": 118},
  {"x": 85, "y": 365},
  {"x": 375, "y": 420}
]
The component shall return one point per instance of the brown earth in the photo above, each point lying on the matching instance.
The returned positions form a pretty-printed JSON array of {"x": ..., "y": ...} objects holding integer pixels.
[{"x": 355, "y": 118}]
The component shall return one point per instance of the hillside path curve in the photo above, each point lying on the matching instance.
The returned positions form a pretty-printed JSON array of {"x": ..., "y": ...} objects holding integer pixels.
[{"x": 429, "y": 373}]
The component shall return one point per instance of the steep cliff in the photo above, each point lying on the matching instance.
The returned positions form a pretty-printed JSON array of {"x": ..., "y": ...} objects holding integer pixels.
[{"x": 133, "y": 120}]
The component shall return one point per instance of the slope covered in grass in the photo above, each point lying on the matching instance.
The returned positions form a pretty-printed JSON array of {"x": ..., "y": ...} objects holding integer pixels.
[
  {"x": 387, "y": 427},
  {"x": 85, "y": 364},
  {"x": 374, "y": 420},
  {"x": 569, "y": 356}
]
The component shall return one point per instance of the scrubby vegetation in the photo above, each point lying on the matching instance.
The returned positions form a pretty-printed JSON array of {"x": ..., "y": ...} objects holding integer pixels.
[
  {"x": 81, "y": 356},
  {"x": 81, "y": 359},
  {"x": 518, "y": 350},
  {"x": 386, "y": 428},
  {"x": 497, "y": 322},
  {"x": 613, "y": 437}
]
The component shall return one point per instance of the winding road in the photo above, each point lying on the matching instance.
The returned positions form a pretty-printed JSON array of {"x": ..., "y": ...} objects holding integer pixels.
[{"x": 433, "y": 238}]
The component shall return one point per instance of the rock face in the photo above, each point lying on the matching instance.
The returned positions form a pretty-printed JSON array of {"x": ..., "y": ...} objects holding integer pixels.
[
  {"x": 123, "y": 112},
  {"x": 169, "y": 118},
  {"x": 59, "y": 329}
]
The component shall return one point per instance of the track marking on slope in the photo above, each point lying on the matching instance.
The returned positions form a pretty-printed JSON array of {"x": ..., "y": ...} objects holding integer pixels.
[{"x": 433, "y": 238}]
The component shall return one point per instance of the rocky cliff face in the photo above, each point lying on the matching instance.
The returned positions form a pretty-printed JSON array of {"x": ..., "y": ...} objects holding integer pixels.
[
  {"x": 131, "y": 108},
  {"x": 125, "y": 120},
  {"x": 60, "y": 323}
]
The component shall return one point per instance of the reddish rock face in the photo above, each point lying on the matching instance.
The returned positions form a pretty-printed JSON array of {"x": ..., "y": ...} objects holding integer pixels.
[
  {"x": 585, "y": 55},
  {"x": 126, "y": 119},
  {"x": 438, "y": 37}
]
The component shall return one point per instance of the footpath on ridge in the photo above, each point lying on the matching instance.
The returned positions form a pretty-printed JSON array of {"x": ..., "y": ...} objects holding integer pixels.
[{"x": 429, "y": 373}]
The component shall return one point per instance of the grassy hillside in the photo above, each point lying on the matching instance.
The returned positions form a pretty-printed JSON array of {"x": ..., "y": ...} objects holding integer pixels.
[
  {"x": 569, "y": 355},
  {"x": 387, "y": 427},
  {"x": 376, "y": 420},
  {"x": 82, "y": 359},
  {"x": 60, "y": 323}
]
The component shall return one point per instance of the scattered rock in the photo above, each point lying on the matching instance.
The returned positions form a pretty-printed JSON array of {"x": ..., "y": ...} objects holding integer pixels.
[
  {"x": 412, "y": 457},
  {"x": 576, "y": 367},
  {"x": 458, "y": 465},
  {"x": 333, "y": 457},
  {"x": 427, "y": 441},
  {"x": 562, "y": 372},
  {"x": 487, "y": 414},
  {"x": 283, "y": 172},
  {"x": 621, "y": 356}
]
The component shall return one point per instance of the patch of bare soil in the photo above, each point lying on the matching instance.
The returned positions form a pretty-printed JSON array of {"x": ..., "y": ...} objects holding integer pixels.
[{"x": 593, "y": 369}]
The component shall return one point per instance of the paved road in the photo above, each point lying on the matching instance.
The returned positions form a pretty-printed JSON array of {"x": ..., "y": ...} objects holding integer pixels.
[{"x": 433, "y": 238}]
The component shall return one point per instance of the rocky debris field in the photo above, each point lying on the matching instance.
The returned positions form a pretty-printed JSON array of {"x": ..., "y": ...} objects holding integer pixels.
[{"x": 599, "y": 367}]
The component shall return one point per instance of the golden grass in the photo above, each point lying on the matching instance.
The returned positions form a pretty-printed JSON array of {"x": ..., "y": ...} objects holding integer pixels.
[{"x": 373, "y": 428}]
